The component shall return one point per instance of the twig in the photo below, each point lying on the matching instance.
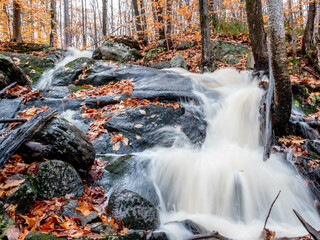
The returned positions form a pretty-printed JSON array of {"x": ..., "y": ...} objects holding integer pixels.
[
  {"x": 313, "y": 232},
  {"x": 307, "y": 70},
  {"x": 265, "y": 222},
  {"x": 12, "y": 120},
  {"x": 208, "y": 235},
  {"x": 3, "y": 91}
]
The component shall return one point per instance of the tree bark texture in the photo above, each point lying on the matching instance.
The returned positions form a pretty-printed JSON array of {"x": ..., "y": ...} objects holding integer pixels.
[
  {"x": 16, "y": 28},
  {"x": 162, "y": 33},
  {"x": 138, "y": 20},
  {"x": 206, "y": 61},
  {"x": 66, "y": 24},
  {"x": 104, "y": 17},
  {"x": 53, "y": 22},
  {"x": 293, "y": 37},
  {"x": 169, "y": 24},
  {"x": 282, "y": 91},
  {"x": 257, "y": 34},
  {"x": 308, "y": 31},
  {"x": 84, "y": 38}
]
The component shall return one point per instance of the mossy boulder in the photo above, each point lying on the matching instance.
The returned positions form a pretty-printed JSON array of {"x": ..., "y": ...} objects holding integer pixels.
[
  {"x": 25, "y": 195},
  {"x": 133, "y": 210},
  {"x": 178, "y": 61},
  {"x": 152, "y": 53},
  {"x": 67, "y": 143},
  {"x": 222, "y": 50},
  {"x": 129, "y": 41},
  {"x": 33, "y": 66},
  {"x": 43, "y": 236},
  {"x": 12, "y": 71},
  {"x": 71, "y": 71},
  {"x": 57, "y": 178},
  {"x": 22, "y": 47}
]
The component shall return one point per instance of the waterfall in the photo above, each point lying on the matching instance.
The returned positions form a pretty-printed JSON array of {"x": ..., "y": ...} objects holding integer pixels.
[
  {"x": 72, "y": 54},
  {"x": 225, "y": 185}
]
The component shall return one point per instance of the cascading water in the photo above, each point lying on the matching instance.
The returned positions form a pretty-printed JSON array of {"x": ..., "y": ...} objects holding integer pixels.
[
  {"x": 72, "y": 54},
  {"x": 225, "y": 185}
]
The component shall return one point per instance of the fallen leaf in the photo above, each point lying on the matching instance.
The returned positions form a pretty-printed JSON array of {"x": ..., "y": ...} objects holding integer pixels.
[
  {"x": 138, "y": 126},
  {"x": 143, "y": 112},
  {"x": 116, "y": 146}
]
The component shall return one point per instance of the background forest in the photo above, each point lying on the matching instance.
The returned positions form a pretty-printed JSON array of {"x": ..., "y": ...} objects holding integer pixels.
[{"x": 85, "y": 23}]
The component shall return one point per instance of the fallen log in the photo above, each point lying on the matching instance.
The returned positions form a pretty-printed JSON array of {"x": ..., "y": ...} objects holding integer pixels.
[
  {"x": 213, "y": 234},
  {"x": 12, "y": 120},
  {"x": 10, "y": 144},
  {"x": 3, "y": 91}
]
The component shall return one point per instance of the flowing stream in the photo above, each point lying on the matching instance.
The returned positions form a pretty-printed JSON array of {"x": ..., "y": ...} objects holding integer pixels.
[
  {"x": 72, "y": 54},
  {"x": 225, "y": 185}
]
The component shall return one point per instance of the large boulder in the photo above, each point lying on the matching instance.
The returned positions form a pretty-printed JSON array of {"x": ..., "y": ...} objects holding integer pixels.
[
  {"x": 56, "y": 178},
  {"x": 178, "y": 61},
  {"x": 4, "y": 80},
  {"x": 183, "y": 45},
  {"x": 129, "y": 41},
  {"x": 133, "y": 210},
  {"x": 33, "y": 66},
  {"x": 67, "y": 143},
  {"x": 9, "y": 109},
  {"x": 22, "y": 47},
  {"x": 71, "y": 71},
  {"x": 228, "y": 51},
  {"x": 116, "y": 51},
  {"x": 26, "y": 194},
  {"x": 12, "y": 71},
  {"x": 160, "y": 65}
]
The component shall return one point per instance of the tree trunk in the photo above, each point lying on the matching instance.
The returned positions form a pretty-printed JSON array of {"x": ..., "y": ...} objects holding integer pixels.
[
  {"x": 308, "y": 31},
  {"x": 95, "y": 25},
  {"x": 112, "y": 27},
  {"x": 162, "y": 33},
  {"x": 138, "y": 20},
  {"x": 169, "y": 24},
  {"x": 206, "y": 60},
  {"x": 16, "y": 28},
  {"x": 84, "y": 39},
  {"x": 282, "y": 91},
  {"x": 53, "y": 22},
  {"x": 257, "y": 34},
  {"x": 104, "y": 17},
  {"x": 292, "y": 27},
  {"x": 66, "y": 24},
  {"x": 144, "y": 22},
  {"x": 215, "y": 18}
]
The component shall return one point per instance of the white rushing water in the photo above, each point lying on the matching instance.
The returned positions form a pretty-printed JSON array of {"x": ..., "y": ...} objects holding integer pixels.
[
  {"x": 72, "y": 54},
  {"x": 225, "y": 185}
]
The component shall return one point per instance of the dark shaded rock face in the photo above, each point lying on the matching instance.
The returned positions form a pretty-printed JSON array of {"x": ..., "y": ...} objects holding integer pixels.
[
  {"x": 25, "y": 195},
  {"x": 71, "y": 71},
  {"x": 56, "y": 179},
  {"x": 157, "y": 235},
  {"x": 69, "y": 209},
  {"x": 13, "y": 72},
  {"x": 42, "y": 236},
  {"x": 33, "y": 66},
  {"x": 4, "y": 80},
  {"x": 147, "y": 122},
  {"x": 67, "y": 143},
  {"x": 135, "y": 235},
  {"x": 160, "y": 65},
  {"x": 8, "y": 109},
  {"x": 133, "y": 210}
]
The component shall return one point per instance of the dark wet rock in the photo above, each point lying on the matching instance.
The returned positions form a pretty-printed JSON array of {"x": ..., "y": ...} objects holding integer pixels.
[
  {"x": 149, "y": 83},
  {"x": 59, "y": 104},
  {"x": 128, "y": 41},
  {"x": 303, "y": 130},
  {"x": 178, "y": 61},
  {"x": 56, "y": 56},
  {"x": 4, "y": 80},
  {"x": 67, "y": 143},
  {"x": 135, "y": 235},
  {"x": 71, "y": 71},
  {"x": 302, "y": 91},
  {"x": 43, "y": 236},
  {"x": 69, "y": 209},
  {"x": 221, "y": 49},
  {"x": 9, "y": 109},
  {"x": 313, "y": 148},
  {"x": 133, "y": 210},
  {"x": 116, "y": 51},
  {"x": 33, "y": 66},
  {"x": 12, "y": 71},
  {"x": 157, "y": 235},
  {"x": 22, "y": 47},
  {"x": 91, "y": 218},
  {"x": 57, "y": 178},
  {"x": 102, "y": 228},
  {"x": 156, "y": 125},
  {"x": 193, "y": 227},
  {"x": 25, "y": 195},
  {"x": 183, "y": 45},
  {"x": 160, "y": 65},
  {"x": 112, "y": 237},
  {"x": 123, "y": 170},
  {"x": 152, "y": 53}
]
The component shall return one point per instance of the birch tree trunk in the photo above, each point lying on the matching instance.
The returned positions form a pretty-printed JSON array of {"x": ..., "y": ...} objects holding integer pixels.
[
  {"x": 206, "y": 61},
  {"x": 104, "y": 17},
  {"x": 308, "y": 31},
  {"x": 66, "y": 24},
  {"x": 53, "y": 22},
  {"x": 16, "y": 28},
  {"x": 257, "y": 34},
  {"x": 84, "y": 38},
  {"x": 282, "y": 91},
  {"x": 292, "y": 27}
]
